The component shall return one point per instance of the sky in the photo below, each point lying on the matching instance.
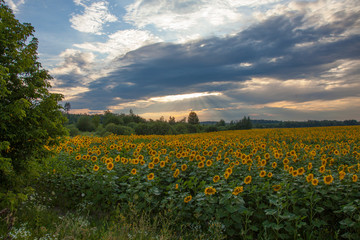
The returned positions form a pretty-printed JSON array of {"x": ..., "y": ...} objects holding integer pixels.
[{"x": 223, "y": 59}]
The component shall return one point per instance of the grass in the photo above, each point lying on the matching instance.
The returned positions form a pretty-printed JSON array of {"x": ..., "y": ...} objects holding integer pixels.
[{"x": 40, "y": 222}]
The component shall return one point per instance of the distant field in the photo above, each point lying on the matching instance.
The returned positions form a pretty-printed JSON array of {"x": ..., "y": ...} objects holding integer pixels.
[{"x": 277, "y": 183}]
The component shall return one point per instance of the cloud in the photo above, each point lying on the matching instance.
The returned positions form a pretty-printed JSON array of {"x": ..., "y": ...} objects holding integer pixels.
[
  {"x": 93, "y": 18},
  {"x": 285, "y": 64},
  {"x": 121, "y": 42},
  {"x": 14, "y": 5}
]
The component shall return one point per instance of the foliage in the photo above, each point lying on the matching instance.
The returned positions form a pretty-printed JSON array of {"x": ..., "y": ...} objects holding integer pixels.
[
  {"x": 85, "y": 123},
  {"x": 118, "y": 129},
  {"x": 29, "y": 113},
  {"x": 193, "y": 118},
  {"x": 274, "y": 184}
]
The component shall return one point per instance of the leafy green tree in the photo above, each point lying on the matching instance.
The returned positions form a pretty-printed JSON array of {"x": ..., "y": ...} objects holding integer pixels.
[
  {"x": 85, "y": 124},
  {"x": 29, "y": 114},
  {"x": 193, "y": 118}
]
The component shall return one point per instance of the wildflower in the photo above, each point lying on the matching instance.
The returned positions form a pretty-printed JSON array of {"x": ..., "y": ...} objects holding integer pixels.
[
  {"x": 93, "y": 158},
  {"x": 176, "y": 173},
  {"x": 226, "y": 175},
  {"x": 183, "y": 167},
  {"x": 354, "y": 178},
  {"x": 150, "y": 176},
  {"x": 133, "y": 171},
  {"x": 229, "y": 171},
  {"x": 276, "y": 187},
  {"x": 309, "y": 177},
  {"x": 342, "y": 175},
  {"x": 274, "y": 165},
  {"x": 201, "y": 164},
  {"x": 162, "y": 164},
  {"x": 247, "y": 180},
  {"x": 210, "y": 191},
  {"x": 322, "y": 169},
  {"x": 151, "y": 165},
  {"x": 310, "y": 166},
  {"x": 315, "y": 182},
  {"x": 96, "y": 168},
  {"x": 226, "y": 161},
  {"x": 270, "y": 174},
  {"x": 209, "y": 163},
  {"x": 216, "y": 178},
  {"x": 110, "y": 166},
  {"x": 301, "y": 171},
  {"x": 238, "y": 190},
  {"x": 188, "y": 199}
]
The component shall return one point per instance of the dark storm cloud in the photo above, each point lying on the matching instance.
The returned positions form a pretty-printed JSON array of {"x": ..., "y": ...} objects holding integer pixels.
[{"x": 273, "y": 48}]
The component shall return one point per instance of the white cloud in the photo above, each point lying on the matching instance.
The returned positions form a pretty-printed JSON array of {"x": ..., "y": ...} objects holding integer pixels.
[
  {"x": 14, "y": 5},
  {"x": 181, "y": 15},
  {"x": 93, "y": 18},
  {"x": 75, "y": 62},
  {"x": 121, "y": 42}
]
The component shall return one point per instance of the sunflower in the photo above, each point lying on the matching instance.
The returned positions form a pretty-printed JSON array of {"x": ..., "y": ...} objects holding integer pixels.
[
  {"x": 294, "y": 173},
  {"x": 110, "y": 166},
  {"x": 315, "y": 182},
  {"x": 276, "y": 187},
  {"x": 210, "y": 191},
  {"x": 286, "y": 161},
  {"x": 226, "y": 161},
  {"x": 310, "y": 166},
  {"x": 229, "y": 170},
  {"x": 270, "y": 174},
  {"x": 96, "y": 168},
  {"x": 262, "y": 173},
  {"x": 309, "y": 177},
  {"x": 301, "y": 171},
  {"x": 216, "y": 178},
  {"x": 142, "y": 162},
  {"x": 156, "y": 160},
  {"x": 238, "y": 190},
  {"x": 176, "y": 186},
  {"x": 267, "y": 155},
  {"x": 93, "y": 158},
  {"x": 322, "y": 169},
  {"x": 263, "y": 162},
  {"x": 247, "y": 180},
  {"x": 209, "y": 163},
  {"x": 226, "y": 175},
  {"x": 354, "y": 178},
  {"x": 286, "y": 167},
  {"x": 150, "y": 176},
  {"x": 173, "y": 166},
  {"x": 274, "y": 165},
  {"x": 162, "y": 164},
  {"x": 117, "y": 159},
  {"x": 342, "y": 175},
  {"x": 187, "y": 199},
  {"x": 328, "y": 179},
  {"x": 151, "y": 165},
  {"x": 133, "y": 171},
  {"x": 176, "y": 173},
  {"x": 201, "y": 165}
]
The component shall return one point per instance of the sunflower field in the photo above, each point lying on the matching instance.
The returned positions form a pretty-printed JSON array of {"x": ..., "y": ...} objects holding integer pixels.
[{"x": 261, "y": 183}]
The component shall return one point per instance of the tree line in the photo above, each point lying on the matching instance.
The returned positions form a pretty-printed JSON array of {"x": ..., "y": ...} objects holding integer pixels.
[{"x": 127, "y": 124}]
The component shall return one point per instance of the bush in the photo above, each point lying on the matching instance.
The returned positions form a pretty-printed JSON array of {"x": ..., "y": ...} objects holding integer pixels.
[
  {"x": 119, "y": 130},
  {"x": 85, "y": 124},
  {"x": 73, "y": 131}
]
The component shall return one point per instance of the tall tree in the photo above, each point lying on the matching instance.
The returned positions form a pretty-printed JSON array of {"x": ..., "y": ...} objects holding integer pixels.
[
  {"x": 193, "y": 118},
  {"x": 29, "y": 114},
  {"x": 67, "y": 107}
]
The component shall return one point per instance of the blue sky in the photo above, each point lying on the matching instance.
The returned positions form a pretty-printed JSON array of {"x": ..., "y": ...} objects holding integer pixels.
[{"x": 223, "y": 59}]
